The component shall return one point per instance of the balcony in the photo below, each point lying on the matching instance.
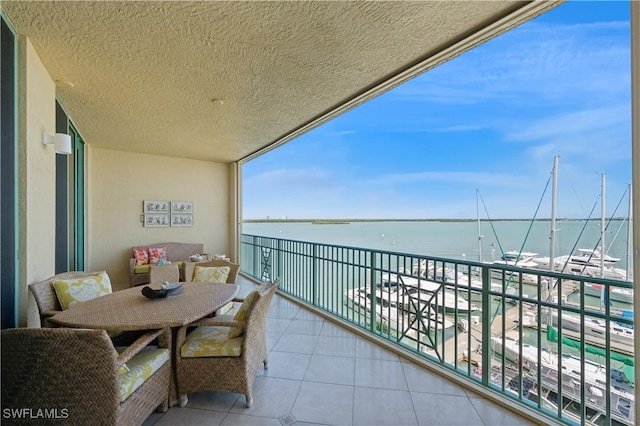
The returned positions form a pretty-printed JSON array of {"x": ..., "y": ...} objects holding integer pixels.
[
  {"x": 322, "y": 373},
  {"x": 513, "y": 335}
]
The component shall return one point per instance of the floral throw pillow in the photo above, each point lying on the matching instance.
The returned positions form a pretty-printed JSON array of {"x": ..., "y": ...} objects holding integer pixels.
[
  {"x": 211, "y": 274},
  {"x": 157, "y": 253},
  {"x": 73, "y": 291},
  {"x": 141, "y": 256}
]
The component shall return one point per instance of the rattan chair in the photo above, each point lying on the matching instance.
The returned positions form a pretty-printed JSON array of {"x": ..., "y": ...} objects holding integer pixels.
[
  {"x": 75, "y": 375},
  {"x": 189, "y": 269},
  {"x": 45, "y": 295},
  {"x": 227, "y": 373}
]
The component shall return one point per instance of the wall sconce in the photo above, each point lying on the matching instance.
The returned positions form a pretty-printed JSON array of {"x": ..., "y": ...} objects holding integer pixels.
[{"x": 60, "y": 141}]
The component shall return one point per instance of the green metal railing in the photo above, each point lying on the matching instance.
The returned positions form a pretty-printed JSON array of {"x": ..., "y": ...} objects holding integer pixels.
[{"x": 540, "y": 338}]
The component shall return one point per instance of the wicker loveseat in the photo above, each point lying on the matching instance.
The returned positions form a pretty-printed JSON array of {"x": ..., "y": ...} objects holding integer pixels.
[
  {"x": 176, "y": 253},
  {"x": 74, "y": 377}
]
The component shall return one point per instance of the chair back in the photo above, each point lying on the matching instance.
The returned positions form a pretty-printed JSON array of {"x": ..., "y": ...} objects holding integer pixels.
[
  {"x": 71, "y": 371},
  {"x": 256, "y": 324},
  {"x": 233, "y": 271},
  {"x": 45, "y": 295}
]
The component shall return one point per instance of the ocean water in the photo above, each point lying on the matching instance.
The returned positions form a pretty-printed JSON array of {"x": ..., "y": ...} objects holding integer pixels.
[{"x": 455, "y": 239}]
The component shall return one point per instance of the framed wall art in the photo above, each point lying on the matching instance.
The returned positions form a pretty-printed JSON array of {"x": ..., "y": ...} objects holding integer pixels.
[
  {"x": 155, "y": 206},
  {"x": 181, "y": 219},
  {"x": 156, "y": 220},
  {"x": 182, "y": 207}
]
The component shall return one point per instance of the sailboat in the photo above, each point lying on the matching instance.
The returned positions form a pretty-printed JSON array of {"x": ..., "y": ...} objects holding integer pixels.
[{"x": 574, "y": 371}]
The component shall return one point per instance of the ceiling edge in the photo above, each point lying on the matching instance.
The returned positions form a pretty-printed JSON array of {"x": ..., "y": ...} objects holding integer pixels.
[{"x": 517, "y": 16}]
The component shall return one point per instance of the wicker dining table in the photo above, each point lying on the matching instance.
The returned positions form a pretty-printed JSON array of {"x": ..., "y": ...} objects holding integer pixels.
[{"x": 130, "y": 310}]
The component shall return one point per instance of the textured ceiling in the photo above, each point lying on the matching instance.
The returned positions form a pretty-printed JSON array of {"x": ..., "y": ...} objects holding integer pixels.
[{"x": 141, "y": 76}]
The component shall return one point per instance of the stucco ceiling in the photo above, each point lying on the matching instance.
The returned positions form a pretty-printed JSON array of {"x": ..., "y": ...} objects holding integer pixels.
[{"x": 146, "y": 76}]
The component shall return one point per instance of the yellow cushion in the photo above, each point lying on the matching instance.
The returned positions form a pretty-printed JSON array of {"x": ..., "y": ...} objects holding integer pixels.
[
  {"x": 78, "y": 290},
  {"x": 242, "y": 314},
  {"x": 180, "y": 264},
  {"x": 141, "y": 269},
  {"x": 141, "y": 366},
  {"x": 211, "y": 274},
  {"x": 211, "y": 341},
  {"x": 226, "y": 308}
]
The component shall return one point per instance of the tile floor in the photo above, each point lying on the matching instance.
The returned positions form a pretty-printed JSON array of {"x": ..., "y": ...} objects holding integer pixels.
[{"x": 322, "y": 374}]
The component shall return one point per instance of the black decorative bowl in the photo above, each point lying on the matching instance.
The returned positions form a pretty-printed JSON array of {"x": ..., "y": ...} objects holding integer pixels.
[{"x": 166, "y": 290}]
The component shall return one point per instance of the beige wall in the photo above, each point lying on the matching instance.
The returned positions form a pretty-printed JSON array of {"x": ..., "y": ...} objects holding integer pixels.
[
  {"x": 118, "y": 182},
  {"x": 36, "y": 168}
]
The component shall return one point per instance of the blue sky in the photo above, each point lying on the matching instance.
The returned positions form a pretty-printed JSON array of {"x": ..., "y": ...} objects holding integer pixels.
[{"x": 491, "y": 119}]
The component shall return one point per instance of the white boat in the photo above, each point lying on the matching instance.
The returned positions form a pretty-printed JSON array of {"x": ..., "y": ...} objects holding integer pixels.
[
  {"x": 597, "y": 327},
  {"x": 616, "y": 294},
  {"x": 429, "y": 271},
  {"x": 395, "y": 311},
  {"x": 519, "y": 260},
  {"x": 572, "y": 373},
  {"x": 431, "y": 292},
  {"x": 586, "y": 262}
]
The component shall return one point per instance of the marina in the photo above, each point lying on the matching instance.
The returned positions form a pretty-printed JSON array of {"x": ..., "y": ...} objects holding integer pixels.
[
  {"x": 401, "y": 290},
  {"x": 519, "y": 344}
]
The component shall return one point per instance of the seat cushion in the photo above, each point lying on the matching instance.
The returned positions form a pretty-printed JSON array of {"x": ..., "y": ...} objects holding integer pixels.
[
  {"x": 141, "y": 269},
  {"x": 73, "y": 291},
  {"x": 141, "y": 366},
  {"x": 211, "y": 341},
  {"x": 211, "y": 274},
  {"x": 144, "y": 269}
]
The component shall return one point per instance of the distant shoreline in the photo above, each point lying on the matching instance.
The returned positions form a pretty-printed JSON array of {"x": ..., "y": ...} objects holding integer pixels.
[{"x": 347, "y": 221}]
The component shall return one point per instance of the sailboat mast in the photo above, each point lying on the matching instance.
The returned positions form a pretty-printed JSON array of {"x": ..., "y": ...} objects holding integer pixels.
[
  {"x": 602, "y": 246},
  {"x": 552, "y": 236},
  {"x": 479, "y": 234},
  {"x": 629, "y": 237}
]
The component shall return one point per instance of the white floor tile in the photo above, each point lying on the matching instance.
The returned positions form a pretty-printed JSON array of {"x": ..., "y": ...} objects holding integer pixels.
[
  {"x": 298, "y": 343},
  {"x": 382, "y": 407},
  {"x": 422, "y": 380},
  {"x": 219, "y": 401},
  {"x": 283, "y": 313},
  {"x": 304, "y": 327},
  {"x": 277, "y": 325},
  {"x": 434, "y": 409},
  {"x": 190, "y": 416},
  {"x": 495, "y": 415},
  {"x": 303, "y": 314},
  {"x": 330, "y": 329},
  {"x": 331, "y": 369},
  {"x": 375, "y": 373},
  {"x": 272, "y": 339},
  {"x": 324, "y": 404},
  {"x": 287, "y": 365},
  {"x": 244, "y": 420},
  {"x": 272, "y": 397},
  {"x": 367, "y": 349},
  {"x": 336, "y": 346}
]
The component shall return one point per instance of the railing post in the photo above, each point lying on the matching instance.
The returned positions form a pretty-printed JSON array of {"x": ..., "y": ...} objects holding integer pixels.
[
  {"x": 486, "y": 325},
  {"x": 314, "y": 275},
  {"x": 279, "y": 273},
  {"x": 372, "y": 284},
  {"x": 254, "y": 256}
]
